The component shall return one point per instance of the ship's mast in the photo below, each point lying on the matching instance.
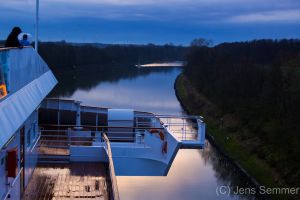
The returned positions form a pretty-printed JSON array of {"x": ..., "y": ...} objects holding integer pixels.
[{"x": 36, "y": 25}]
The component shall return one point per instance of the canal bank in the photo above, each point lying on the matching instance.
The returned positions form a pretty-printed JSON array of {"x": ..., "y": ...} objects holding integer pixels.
[{"x": 219, "y": 127}]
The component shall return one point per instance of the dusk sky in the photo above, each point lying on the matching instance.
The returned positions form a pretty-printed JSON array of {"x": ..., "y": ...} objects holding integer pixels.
[{"x": 153, "y": 21}]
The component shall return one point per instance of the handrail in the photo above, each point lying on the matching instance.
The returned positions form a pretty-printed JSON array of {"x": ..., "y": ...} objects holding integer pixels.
[
  {"x": 89, "y": 126},
  {"x": 70, "y": 100},
  {"x": 9, "y": 48},
  {"x": 111, "y": 169},
  {"x": 169, "y": 116}
]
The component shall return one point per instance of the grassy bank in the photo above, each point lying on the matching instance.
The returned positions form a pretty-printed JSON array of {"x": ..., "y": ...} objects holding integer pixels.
[{"x": 222, "y": 130}]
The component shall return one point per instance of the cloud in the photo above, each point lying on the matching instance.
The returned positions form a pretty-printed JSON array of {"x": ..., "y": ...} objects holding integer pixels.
[
  {"x": 268, "y": 16},
  {"x": 169, "y": 18},
  {"x": 144, "y": 2},
  {"x": 187, "y": 11}
]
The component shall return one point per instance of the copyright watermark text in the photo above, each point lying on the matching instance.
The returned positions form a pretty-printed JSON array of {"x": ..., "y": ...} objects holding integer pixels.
[{"x": 262, "y": 190}]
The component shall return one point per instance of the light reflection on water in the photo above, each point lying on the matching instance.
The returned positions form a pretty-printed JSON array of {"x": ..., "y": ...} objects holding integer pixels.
[
  {"x": 151, "y": 93},
  {"x": 188, "y": 178},
  {"x": 194, "y": 174}
]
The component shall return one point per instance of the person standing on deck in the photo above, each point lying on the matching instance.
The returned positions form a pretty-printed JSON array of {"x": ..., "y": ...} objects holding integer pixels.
[{"x": 12, "y": 39}]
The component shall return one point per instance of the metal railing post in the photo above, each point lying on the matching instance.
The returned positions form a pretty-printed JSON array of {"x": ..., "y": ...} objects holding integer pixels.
[{"x": 69, "y": 138}]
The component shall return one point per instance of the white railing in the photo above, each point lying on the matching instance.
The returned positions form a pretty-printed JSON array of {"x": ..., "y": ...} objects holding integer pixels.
[
  {"x": 58, "y": 142},
  {"x": 115, "y": 191},
  {"x": 184, "y": 127},
  {"x": 85, "y": 138}
]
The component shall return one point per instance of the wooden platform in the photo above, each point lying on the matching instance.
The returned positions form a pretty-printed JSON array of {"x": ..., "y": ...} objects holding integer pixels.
[{"x": 68, "y": 181}]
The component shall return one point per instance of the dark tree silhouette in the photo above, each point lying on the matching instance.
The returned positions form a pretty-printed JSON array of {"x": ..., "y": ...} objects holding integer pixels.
[{"x": 259, "y": 82}]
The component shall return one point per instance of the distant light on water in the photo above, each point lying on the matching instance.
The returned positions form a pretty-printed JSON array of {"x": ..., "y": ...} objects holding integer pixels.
[{"x": 165, "y": 64}]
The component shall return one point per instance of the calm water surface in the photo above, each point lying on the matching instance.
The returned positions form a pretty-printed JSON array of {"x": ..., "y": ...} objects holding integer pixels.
[{"x": 194, "y": 174}]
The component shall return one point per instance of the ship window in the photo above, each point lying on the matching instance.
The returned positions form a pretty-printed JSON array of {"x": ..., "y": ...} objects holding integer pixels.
[
  {"x": 2, "y": 160},
  {"x": 67, "y": 117},
  {"x": 33, "y": 131},
  {"x": 28, "y": 137},
  {"x": 88, "y": 118},
  {"x": 102, "y": 120},
  {"x": 48, "y": 116}
]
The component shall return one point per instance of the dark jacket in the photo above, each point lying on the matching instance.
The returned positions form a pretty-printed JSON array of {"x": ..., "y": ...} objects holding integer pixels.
[{"x": 12, "y": 39}]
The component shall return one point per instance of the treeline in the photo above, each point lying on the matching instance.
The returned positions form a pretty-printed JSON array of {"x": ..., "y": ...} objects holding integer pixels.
[
  {"x": 259, "y": 82},
  {"x": 85, "y": 65},
  {"x": 61, "y": 55}
]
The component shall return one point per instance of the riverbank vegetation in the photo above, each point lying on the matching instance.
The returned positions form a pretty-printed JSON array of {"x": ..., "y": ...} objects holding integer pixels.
[{"x": 249, "y": 93}]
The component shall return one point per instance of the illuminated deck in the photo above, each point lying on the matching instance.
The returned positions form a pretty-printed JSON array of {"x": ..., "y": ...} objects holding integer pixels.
[{"x": 68, "y": 181}]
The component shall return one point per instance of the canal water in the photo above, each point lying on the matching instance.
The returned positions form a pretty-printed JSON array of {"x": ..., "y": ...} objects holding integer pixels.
[{"x": 194, "y": 174}]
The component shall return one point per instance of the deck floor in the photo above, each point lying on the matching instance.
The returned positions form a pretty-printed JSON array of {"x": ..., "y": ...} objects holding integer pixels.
[
  {"x": 68, "y": 181},
  {"x": 53, "y": 151}
]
